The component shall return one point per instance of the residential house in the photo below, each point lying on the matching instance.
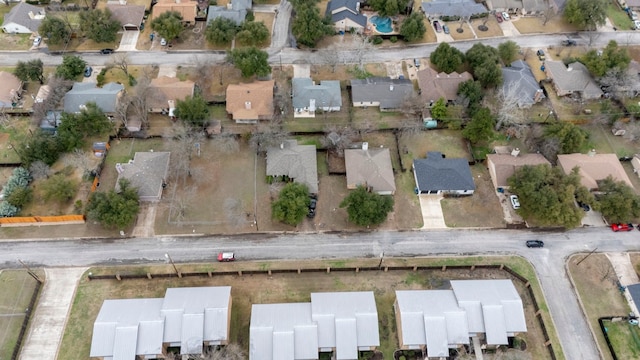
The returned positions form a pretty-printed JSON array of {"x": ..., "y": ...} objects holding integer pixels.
[
  {"x": 188, "y": 318},
  {"x": 309, "y": 97},
  {"x": 165, "y": 91},
  {"x": 594, "y": 167},
  {"x": 129, "y": 16},
  {"x": 494, "y": 309},
  {"x": 439, "y": 320},
  {"x": 521, "y": 7},
  {"x": 196, "y": 317},
  {"x": 51, "y": 121},
  {"x": 430, "y": 319},
  {"x": 10, "y": 90},
  {"x": 503, "y": 166},
  {"x": 434, "y": 85},
  {"x": 634, "y": 297},
  {"x": 147, "y": 172},
  {"x": 438, "y": 175},
  {"x": 43, "y": 93},
  {"x": 282, "y": 331},
  {"x": 188, "y": 9},
  {"x": 249, "y": 103},
  {"x": 370, "y": 168},
  {"x": 297, "y": 162},
  {"x": 573, "y": 79},
  {"x": 343, "y": 323},
  {"x": 23, "y": 19},
  {"x": 632, "y": 4},
  {"x": 128, "y": 329},
  {"x": 235, "y": 10},
  {"x": 519, "y": 83},
  {"x": 389, "y": 94},
  {"x": 452, "y": 8},
  {"x": 345, "y": 15},
  {"x": 105, "y": 97}
]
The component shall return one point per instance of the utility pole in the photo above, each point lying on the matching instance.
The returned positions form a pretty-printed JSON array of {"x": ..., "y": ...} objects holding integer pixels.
[
  {"x": 585, "y": 258},
  {"x": 173, "y": 264},
  {"x": 30, "y": 272}
]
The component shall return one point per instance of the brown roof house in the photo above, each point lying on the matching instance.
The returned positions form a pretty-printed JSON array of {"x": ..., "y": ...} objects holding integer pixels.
[
  {"x": 434, "y": 85},
  {"x": 147, "y": 172},
  {"x": 573, "y": 79},
  {"x": 298, "y": 162},
  {"x": 129, "y": 16},
  {"x": 503, "y": 166},
  {"x": 370, "y": 168},
  {"x": 188, "y": 9},
  {"x": 594, "y": 167},
  {"x": 10, "y": 89},
  {"x": 248, "y": 103},
  {"x": 164, "y": 91}
]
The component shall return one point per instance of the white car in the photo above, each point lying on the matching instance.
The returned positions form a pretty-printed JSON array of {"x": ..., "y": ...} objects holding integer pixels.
[
  {"x": 37, "y": 41},
  {"x": 163, "y": 42},
  {"x": 505, "y": 16},
  {"x": 636, "y": 24},
  {"x": 515, "y": 203}
]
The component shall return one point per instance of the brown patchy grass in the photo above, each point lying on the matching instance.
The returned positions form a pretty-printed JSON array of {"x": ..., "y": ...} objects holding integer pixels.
[
  {"x": 285, "y": 288},
  {"x": 478, "y": 210},
  {"x": 466, "y": 34},
  {"x": 448, "y": 142},
  {"x": 493, "y": 28},
  {"x": 595, "y": 284},
  {"x": 534, "y": 25}
]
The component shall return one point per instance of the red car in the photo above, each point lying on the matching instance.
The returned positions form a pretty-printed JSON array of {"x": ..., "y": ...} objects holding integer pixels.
[
  {"x": 621, "y": 227},
  {"x": 226, "y": 257},
  {"x": 499, "y": 17},
  {"x": 437, "y": 26}
]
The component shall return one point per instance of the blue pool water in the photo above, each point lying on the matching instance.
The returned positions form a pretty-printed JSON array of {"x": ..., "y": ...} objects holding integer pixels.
[{"x": 383, "y": 24}]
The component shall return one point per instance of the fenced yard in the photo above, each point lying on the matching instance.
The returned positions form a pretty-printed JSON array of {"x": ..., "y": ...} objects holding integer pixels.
[{"x": 18, "y": 289}]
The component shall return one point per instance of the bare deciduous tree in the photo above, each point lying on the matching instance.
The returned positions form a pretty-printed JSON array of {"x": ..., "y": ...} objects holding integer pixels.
[
  {"x": 360, "y": 47},
  {"x": 266, "y": 136},
  {"x": 226, "y": 143},
  {"x": 40, "y": 170},
  {"x": 120, "y": 61},
  {"x": 549, "y": 13},
  {"x": 506, "y": 106},
  {"x": 204, "y": 73},
  {"x": 80, "y": 160},
  {"x": 58, "y": 87},
  {"x": 181, "y": 204},
  {"x": 183, "y": 146},
  {"x": 414, "y": 106},
  {"x": 329, "y": 57},
  {"x": 338, "y": 138}
]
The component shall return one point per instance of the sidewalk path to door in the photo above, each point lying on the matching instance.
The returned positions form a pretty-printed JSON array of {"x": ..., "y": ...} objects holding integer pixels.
[{"x": 49, "y": 320}]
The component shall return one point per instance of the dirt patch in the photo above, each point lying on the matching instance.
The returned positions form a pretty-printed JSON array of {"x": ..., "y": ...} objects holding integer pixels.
[
  {"x": 282, "y": 288},
  {"x": 595, "y": 283},
  {"x": 482, "y": 209},
  {"x": 535, "y": 25},
  {"x": 492, "y": 27}
]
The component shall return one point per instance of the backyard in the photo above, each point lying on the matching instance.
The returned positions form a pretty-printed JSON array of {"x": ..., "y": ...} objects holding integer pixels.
[{"x": 285, "y": 288}]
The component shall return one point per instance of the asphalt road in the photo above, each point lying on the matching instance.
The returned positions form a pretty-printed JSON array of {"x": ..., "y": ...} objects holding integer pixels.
[{"x": 549, "y": 262}]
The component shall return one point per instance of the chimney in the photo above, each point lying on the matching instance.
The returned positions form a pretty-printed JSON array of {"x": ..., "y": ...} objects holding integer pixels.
[
  {"x": 365, "y": 146},
  {"x": 515, "y": 152},
  {"x": 247, "y": 105},
  {"x": 592, "y": 152},
  {"x": 391, "y": 87}
]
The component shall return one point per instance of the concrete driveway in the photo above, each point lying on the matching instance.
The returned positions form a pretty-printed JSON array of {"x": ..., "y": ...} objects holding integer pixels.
[
  {"x": 301, "y": 70},
  {"x": 432, "y": 215},
  {"x": 129, "y": 41}
]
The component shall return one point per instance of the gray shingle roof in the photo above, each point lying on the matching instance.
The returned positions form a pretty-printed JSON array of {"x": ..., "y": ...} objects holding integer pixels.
[
  {"x": 391, "y": 93},
  {"x": 634, "y": 291},
  {"x": 194, "y": 315},
  {"x": 295, "y": 161},
  {"x": 359, "y": 19},
  {"x": 337, "y": 4},
  {"x": 346, "y": 321},
  {"x": 573, "y": 78},
  {"x": 282, "y": 331},
  {"x": 493, "y": 307},
  {"x": 461, "y": 8},
  {"x": 20, "y": 15},
  {"x": 432, "y": 318},
  {"x": 371, "y": 167},
  {"x": 105, "y": 97},
  {"x": 147, "y": 173},
  {"x": 238, "y": 16},
  {"x": 325, "y": 94},
  {"x": 436, "y": 173},
  {"x": 519, "y": 79},
  {"x": 126, "y": 328}
]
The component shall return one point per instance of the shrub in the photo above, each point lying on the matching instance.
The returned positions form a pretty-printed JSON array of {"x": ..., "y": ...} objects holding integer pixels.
[
  {"x": 377, "y": 40},
  {"x": 393, "y": 39}
]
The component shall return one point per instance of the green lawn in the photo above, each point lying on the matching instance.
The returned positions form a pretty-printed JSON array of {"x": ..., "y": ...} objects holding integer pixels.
[
  {"x": 619, "y": 17},
  {"x": 624, "y": 338}
]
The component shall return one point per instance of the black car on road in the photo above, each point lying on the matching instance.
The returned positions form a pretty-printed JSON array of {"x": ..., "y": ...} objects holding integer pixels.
[{"x": 535, "y": 243}]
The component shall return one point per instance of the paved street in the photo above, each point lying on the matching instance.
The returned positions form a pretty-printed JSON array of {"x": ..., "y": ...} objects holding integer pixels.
[{"x": 549, "y": 262}]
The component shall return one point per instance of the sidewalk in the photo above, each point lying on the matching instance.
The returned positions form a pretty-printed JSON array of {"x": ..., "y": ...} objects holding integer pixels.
[{"x": 47, "y": 326}]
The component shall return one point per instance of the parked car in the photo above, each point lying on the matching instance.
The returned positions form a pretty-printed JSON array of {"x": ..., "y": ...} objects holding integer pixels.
[
  {"x": 445, "y": 28},
  {"x": 87, "y": 71},
  {"x": 515, "y": 202},
  {"x": 505, "y": 16},
  {"x": 636, "y": 24},
  {"x": 622, "y": 227},
  {"x": 416, "y": 62},
  {"x": 226, "y": 257},
  {"x": 37, "y": 41},
  {"x": 584, "y": 206},
  {"x": 499, "y": 17},
  {"x": 437, "y": 26},
  {"x": 312, "y": 207},
  {"x": 535, "y": 243},
  {"x": 106, "y": 51},
  {"x": 569, "y": 42},
  {"x": 633, "y": 15},
  {"x": 540, "y": 54}
]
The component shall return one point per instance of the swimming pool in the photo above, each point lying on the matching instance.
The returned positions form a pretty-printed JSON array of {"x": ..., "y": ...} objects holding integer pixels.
[{"x": 382, "y": 24}]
